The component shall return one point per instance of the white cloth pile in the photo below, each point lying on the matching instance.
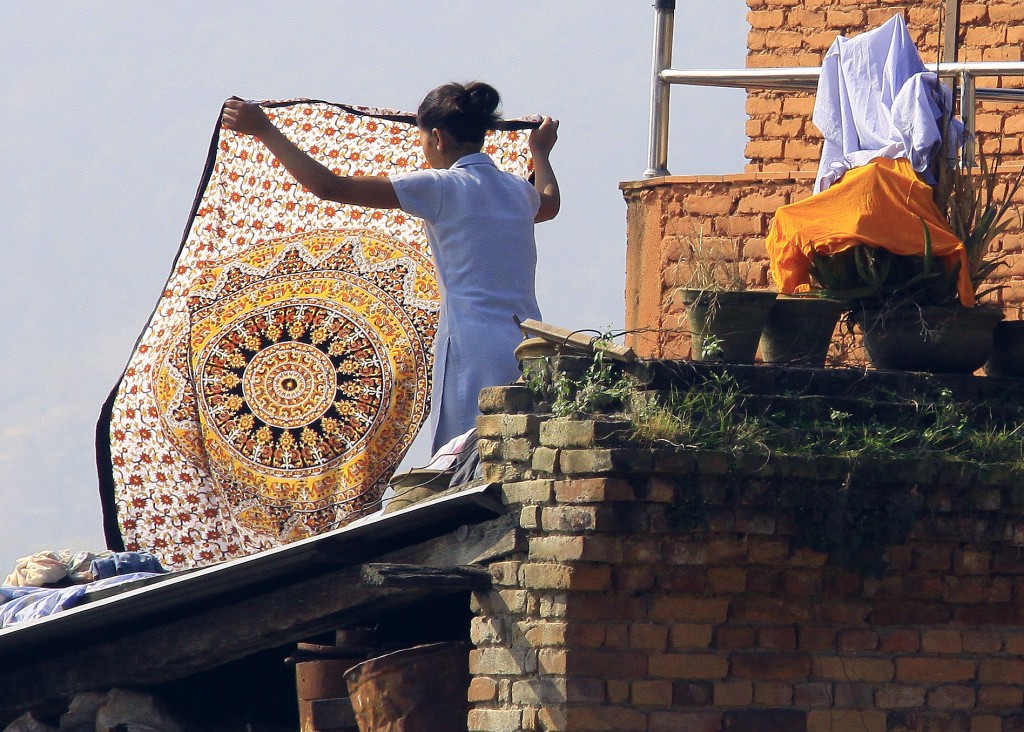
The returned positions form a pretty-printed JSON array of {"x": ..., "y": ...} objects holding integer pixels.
[{"x": 877, "y": 99}]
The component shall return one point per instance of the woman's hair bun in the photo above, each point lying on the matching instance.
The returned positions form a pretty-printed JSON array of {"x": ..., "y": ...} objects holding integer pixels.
[
  {"x": 483, "y": 98},
  {"x": 465, "y": 111}
]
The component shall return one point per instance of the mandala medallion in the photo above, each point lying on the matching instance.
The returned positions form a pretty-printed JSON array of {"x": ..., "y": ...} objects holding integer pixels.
[{"x": 289, "y": 385}]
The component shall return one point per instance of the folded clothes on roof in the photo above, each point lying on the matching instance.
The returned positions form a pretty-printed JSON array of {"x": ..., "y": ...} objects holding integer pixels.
[
  {"x": 20, "y": 604},
  {"x": 66, "y": 566}
]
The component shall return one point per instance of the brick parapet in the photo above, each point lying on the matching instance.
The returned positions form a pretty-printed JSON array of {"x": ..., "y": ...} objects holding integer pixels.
[
  {"x": 620, "y": 615},
  {"x": 665, "y": 215}
]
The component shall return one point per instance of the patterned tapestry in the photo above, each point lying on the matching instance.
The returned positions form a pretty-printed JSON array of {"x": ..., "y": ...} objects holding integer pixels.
[{"x": 286, "y": 368}]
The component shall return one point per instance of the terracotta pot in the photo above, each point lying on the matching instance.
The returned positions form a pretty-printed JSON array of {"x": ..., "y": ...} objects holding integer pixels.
[
  {"x": 726, "y": 325},
  {"x": 421, "y": 689},
  {"x": 799, "y": 330},
  {"x": 938, "y": 340},
  {"x": 1007, "y": 357}
]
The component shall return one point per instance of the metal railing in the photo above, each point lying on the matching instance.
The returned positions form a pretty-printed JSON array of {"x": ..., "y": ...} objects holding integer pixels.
[{"x": 800, "y": 79}]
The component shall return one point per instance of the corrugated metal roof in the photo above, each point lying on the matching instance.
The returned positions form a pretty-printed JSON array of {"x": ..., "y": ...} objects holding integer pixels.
[{"x": 315, "y": 555}]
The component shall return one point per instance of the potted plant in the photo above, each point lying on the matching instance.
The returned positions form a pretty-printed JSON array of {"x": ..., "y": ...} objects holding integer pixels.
[
  {"x": 725, "y": 317},
  {"x": 799, "y": 328},
  {"x": 908, "y": 307}
]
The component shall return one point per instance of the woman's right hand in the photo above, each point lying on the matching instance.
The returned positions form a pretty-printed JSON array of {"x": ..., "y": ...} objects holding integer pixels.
[
  {"x": 543, "y": 138},
  {"x": 244, "y": 117}
]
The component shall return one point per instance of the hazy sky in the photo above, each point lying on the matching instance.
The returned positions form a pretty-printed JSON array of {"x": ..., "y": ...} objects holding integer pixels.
[{"x": 107, "y": 112}]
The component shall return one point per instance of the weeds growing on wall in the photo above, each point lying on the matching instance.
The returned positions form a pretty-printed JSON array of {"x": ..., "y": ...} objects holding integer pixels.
[
  {"x": 852, "y": 519},
  {"x": 713, "y": 413}
]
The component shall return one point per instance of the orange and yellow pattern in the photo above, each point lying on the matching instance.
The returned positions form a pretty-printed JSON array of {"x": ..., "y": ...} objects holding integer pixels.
[{"x": 286, "y": 368}]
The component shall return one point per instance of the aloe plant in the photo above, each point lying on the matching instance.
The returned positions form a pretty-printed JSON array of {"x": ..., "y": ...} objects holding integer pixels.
[{"x": 977, "y": 209}]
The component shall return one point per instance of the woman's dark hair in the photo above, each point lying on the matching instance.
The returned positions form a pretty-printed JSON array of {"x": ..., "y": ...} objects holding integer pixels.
[{"x": 464, "y": 111}]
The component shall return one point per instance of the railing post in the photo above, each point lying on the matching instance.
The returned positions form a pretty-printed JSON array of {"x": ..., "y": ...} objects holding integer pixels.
[
  {"x": 968, "y": 110},
  {"x": 664, "y": 22}
]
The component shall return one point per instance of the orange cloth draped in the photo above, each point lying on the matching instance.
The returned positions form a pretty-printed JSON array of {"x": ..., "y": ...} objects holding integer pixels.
[{"x": 881, "y": 204}]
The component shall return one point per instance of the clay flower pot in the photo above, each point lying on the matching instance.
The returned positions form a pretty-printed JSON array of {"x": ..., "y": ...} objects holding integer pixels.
[
  {"x": 799, "y": 330},
  {"x": 936, "y": 339},
  {"x": 1007, "y": 357},
  {"x": 726, "y": 325}
]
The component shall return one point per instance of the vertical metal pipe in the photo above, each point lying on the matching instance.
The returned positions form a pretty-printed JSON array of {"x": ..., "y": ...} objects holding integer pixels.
[
  {"x": 664, "y": 22},
  {"x": 951, "y": 31},
  {"x": 967, "y": 114}
]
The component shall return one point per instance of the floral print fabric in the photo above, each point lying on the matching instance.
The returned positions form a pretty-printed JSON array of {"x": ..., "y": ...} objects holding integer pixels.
[{"x": 286, "y": 368}]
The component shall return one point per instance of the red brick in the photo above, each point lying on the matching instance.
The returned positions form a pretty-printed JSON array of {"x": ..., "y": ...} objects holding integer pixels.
[
  {"x": 482, "y": 689},
  {"x": 972, "y": 561},
  {"x": 909, "y": 613},
  {"x": 689, "y": 721},
  {"x": 681, "y": 579},
  {"x": 1010, "y": 697},
  {"x": 899, "y": 696},
  {"x": 605, "y": 718},
  {"x": 857, "y": 639},
  {"x": 978, "y": 589},
  {"x": 690, "y": 609},
  {"x": 725, "y": 580},
  {"x": 941, "y": 641},
  {"x": 900, "y": 640},
  {"x": 592, "y": 490},
  {"x": 648, "y": 636},
  {"x": 770, "y": 666},
  {"x": 762, "y": 550},
  {"x": 734, "y": 693},
  {"x": 770, "y": 610},
  {"x": 689, "y": 665},
  {"x": 813, "y": 694},
  {"x": 802, "y": 584},
  {"x": 765, "y": 580},
  {"x": 848, "y": 668},
  {"x": 651, "y": 692},
  {"x": 934, "y": 670},
  {"x": 735, "y": 637},
  {"x": 975, "y": 615},
  {"x": 607, "y": 608},
  {"x": 773, "y": 694},
  {"x": 1001, "y": 671},
  {"x": 833, "y": 720},
  {"x": 617, "y": 691},
  {"x": 779, "y": 638},
  {"x": 817, "y": 639},
  {"x": 845, "y": 612},
  {"x": 692, "y": 693},
  {"x": 765, "y": 720},
  {"x": 691, "y": 635},
  {"x": 987, "y": 723},
  {"x": 982, "y": 641},
  {"x": 933, "y": 557},
  {"x": 951, "y": 697},
  {"x": 612, "y": 664}
]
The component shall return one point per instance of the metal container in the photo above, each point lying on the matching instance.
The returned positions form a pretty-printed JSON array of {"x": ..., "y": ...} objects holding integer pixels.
[{"x": 419, "y": 689}]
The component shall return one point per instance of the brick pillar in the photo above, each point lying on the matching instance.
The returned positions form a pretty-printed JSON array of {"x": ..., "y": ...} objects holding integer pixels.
[{"x": 664, "y": 589}]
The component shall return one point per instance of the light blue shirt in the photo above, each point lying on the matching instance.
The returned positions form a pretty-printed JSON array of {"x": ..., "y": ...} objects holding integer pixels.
[{"x": 479, "y": 222}]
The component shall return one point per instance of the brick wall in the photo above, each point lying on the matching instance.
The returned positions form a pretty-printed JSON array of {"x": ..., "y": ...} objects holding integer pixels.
[
  {"x": 783, "y": 152},
  {"x": 663, "y": 213},
  {"x": 798, "y": 33},
  {"x": 612, "y": 617}
]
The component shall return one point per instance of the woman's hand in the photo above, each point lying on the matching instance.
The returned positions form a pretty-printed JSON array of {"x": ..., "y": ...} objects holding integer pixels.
[
  {"x": 244, "y": 117},
  {"x": 543, "y": 138}
]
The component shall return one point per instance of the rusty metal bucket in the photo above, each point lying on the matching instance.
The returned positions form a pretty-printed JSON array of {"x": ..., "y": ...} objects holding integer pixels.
[{"x": 420, "y": 689}]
